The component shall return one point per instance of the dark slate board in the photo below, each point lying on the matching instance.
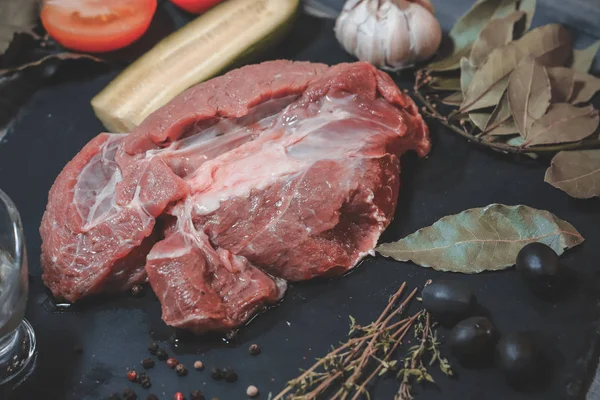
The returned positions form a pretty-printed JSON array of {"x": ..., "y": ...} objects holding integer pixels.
[{"x": 114, "y": 332}]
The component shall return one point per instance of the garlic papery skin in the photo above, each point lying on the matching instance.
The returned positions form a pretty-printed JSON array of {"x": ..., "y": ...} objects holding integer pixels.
[{"x": 390, "y": 34}]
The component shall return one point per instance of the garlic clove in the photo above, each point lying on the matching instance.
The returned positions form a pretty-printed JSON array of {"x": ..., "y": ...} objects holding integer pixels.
[
  {"x": 426, "y": 4},
  {"x": 399, "y": 54},
  {"x": 391, "y": 34},
  {"x": 426, "y": 40}
]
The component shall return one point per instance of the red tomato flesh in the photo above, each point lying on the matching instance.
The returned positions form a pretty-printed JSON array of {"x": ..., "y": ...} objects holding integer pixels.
[
  {"x": 196, "y": 6},
  {"x": 97, "y": 26}
]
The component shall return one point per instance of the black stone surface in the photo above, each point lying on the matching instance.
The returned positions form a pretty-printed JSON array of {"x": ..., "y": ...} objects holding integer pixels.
[{"x": 114, "y": 332}]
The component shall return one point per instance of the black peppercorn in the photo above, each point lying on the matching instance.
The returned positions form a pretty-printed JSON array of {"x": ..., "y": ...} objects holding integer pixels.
[
  {"x": 162, "y": 354},
  {"x": 151, "y": 397},
  {"x": 129, "y": 394},
  {"x": 153, "y": 348},
  {"x": 197, "y": 395},
  {"x": 148, "y": 363},
  {"x": 180, "y": 370},
  {"x": 144, "y": 380},
  {"x": 216, "y": 374},
  {"x": 137, "y": 290},
  {"x": 115, "y": 396},
  {"x": 254, "y": 349},
  {"x": 230, "y": 375}
]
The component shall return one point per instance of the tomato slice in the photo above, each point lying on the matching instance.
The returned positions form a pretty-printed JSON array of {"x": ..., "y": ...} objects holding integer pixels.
[
  {"x": 97, "y": 26},
  {"x": 196, "y": 6}
]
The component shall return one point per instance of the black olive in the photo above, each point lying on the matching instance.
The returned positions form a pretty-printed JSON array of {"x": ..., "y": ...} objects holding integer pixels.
[
  {"x": 448, "y": 301},
  {"x": 539, "y": 265},
  {"x": 472, "y": 340},
  {"x": 519, "y": 357}
]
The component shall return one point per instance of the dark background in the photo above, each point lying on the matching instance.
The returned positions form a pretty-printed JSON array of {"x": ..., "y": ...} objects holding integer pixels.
[{"x": 114, "y": 333}]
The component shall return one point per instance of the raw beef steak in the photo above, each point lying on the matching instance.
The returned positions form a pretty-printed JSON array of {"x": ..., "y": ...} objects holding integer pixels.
[{"x": 272, "y": 172}]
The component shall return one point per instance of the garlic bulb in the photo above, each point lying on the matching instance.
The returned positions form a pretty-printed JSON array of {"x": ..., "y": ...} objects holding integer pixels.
[{"x": 391, "y": 34}]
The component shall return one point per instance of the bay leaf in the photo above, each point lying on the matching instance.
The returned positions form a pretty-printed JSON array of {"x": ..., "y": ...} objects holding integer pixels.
[
  {"x": 464, "y": 33},
  {"x": 583, "y": 59},
  {"x": 576, "y": 172},
  {"x": 528, "y": 7},
  {"x": 507, "y": 127},
  {"x": 482, "y": 239},
  {"x": 518, "y": 141},
  {"x": 445, "y": 83},
  {"x": 585, "y": 87},
  {"x": 455, "y": 99},
  {"x": 50, "y": 57},
  {"x": 479, "y": 118},
  {"x": 501, "y": 122},
  {"x": 451, "y": 62},
  {"x": 563, "y": 123},
  {"x": 562, "y": 83},
  {"x": 467, "y": 70},
  {"x": 16, "y": 16},
  {"x": 550, "y": 45},
  {"x": 497, "y": 33},
  {"x": 528, "y": 93}
]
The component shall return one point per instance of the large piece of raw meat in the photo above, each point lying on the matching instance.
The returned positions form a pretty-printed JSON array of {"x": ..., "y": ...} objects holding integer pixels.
[{"x": 273, "y": 172}]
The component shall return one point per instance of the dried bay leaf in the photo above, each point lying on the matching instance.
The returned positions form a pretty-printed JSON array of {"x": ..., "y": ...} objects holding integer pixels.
[
  {"x": 58, "y": 56},
  {"x": 562, "y": 83},
  {"x": 482, "y": 239},
  {"x": 451, "y": 62},
  {"x": 467, "y": 70},
  {"x": 455, "y": 99},
  {"x": 16, "y": 16},
  {"x": 501, "y": 122},
  {"x": 576, "y": 172},
  {"x": 585, "y": 87},
  {"x": 528, "y": 7},
  {"x": 506, "y": 127},
  {"x": 563, "y": 123},
  {"x": 528, "y": 93},
  {"x": 497, "y": 33},
  {"x": 445, "y": 83},
  {"x": 550, "y": 45},
  {"x": 518, "y": 141},
  {"x": 465, "y": 31},
  {"x": 583, "y": 59},
  {"x": 479, "y": 118}
]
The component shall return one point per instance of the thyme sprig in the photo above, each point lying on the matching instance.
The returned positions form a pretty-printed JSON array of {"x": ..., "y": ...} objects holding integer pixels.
[
  {"x": 415, "y": 363},
  {"x": 348, "y": 369}
]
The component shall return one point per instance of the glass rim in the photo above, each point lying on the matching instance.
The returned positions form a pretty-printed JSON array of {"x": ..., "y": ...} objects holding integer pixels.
[{"x": 17, "y": 227}]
